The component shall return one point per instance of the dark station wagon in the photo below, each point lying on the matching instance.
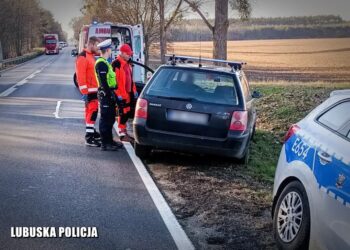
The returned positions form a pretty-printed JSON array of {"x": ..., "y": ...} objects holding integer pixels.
[{"x": 191, "y": 107}]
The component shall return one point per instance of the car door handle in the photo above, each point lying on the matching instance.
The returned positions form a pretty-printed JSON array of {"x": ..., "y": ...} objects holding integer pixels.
[{"x": 324, "y": 158}]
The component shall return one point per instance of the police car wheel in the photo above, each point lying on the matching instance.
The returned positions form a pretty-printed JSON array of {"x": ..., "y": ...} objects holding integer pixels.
[
  {"x": 291, "y": 222},
  {"x": 142, "y": 151}
]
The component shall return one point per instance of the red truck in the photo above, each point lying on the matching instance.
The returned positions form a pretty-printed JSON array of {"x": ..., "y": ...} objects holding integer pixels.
[{"x": 51, "y": 44}]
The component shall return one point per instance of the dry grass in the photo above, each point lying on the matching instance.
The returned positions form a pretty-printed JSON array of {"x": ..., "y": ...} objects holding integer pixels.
[{"x": 290, "y": 59}]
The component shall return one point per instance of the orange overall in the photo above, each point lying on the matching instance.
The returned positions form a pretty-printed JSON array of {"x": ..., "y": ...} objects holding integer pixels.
[
  {"x": 126, "y": 89},
  {"x": 85, "y": 70}
]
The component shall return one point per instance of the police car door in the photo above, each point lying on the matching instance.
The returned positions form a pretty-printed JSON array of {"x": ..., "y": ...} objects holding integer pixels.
[
  {"x": 138, "y": 49},
  {"x": 332, "y": 171}
]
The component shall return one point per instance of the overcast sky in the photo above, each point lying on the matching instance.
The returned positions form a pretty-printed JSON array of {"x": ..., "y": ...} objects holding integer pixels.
[{"x": 65, "y": 10}]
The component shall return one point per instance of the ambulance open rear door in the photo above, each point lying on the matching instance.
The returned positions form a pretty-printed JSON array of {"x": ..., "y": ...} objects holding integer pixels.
[{"x": 138, "y": 49}]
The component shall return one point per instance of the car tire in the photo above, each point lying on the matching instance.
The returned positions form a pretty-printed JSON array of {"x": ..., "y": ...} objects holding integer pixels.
[
  {"x": 295, "y": 217},
  {"x": 245, "y": 159},
  {"x": 253, "y": 132},
  {"x": 142, "y": 151},
  {"x": 75, "y": 80}
]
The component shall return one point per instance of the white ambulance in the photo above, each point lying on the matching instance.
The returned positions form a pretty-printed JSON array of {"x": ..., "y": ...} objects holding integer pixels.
[{"x": 120, "y": 34}]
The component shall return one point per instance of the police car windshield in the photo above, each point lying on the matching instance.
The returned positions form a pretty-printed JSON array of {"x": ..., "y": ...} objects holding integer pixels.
[{"x": 199, "y": 85}]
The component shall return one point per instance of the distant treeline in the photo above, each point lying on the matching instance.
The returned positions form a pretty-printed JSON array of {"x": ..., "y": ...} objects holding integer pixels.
[
  {"x": 23, "y": 24},
  {"x": 266, "y": 28}
]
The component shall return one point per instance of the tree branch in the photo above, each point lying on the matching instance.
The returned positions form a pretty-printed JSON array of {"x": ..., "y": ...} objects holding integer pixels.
[
  {"x": 195, "y": 7},
  {"x": 176, "y": 11}
]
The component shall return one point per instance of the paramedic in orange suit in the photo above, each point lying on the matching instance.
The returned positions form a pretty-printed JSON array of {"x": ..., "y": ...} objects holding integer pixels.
[
  {"x": 126, "y": 92},
  {"x": 88, "y": 86}
]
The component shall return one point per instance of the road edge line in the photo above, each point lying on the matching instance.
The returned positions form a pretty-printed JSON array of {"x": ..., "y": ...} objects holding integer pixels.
[{"x": 176, "y": 231}]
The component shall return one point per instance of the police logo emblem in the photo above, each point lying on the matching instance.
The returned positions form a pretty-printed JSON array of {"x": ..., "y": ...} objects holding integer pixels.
[{"x": 340, "y": 181}]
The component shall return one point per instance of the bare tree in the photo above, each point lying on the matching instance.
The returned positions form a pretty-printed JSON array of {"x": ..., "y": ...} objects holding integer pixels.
[
  {"x": 23, "y": 23},
  {"x": 165, "y": 24},
  {"x": 221, "y": 22}
]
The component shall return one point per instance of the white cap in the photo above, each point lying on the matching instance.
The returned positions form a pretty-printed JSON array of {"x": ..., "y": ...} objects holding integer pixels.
[{"x": 105, "y": 44}]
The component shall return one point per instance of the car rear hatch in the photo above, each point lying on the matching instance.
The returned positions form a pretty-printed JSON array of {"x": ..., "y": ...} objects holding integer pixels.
[{"x": 192, "y": 102}]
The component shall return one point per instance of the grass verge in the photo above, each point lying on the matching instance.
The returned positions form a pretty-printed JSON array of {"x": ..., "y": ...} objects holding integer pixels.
[{"x": 282, "y": 104}]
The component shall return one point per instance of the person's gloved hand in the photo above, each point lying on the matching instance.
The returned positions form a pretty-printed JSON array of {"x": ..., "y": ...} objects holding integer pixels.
[
  {"x": 136, "y": 95},
  {"x": 84, "y": 98},
  {"x": 113, "y": 97}
]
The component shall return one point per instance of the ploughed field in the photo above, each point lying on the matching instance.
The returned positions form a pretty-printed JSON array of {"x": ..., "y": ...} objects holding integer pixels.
[{"x": 286, "y": 59}]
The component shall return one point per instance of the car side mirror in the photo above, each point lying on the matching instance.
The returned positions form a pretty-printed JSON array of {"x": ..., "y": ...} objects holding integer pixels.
[{"x": 256, "y": 94}]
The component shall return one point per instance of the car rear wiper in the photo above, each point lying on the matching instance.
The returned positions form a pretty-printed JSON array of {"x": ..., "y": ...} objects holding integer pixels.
[{"x": 178, "y": 98}]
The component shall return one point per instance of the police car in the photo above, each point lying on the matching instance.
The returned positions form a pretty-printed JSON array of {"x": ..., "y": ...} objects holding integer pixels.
[{"x": 311, "y": 207}]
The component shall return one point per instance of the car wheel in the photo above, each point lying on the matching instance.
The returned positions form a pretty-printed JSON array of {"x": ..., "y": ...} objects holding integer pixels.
[
  {"x": 75, "y": 80},
  {"x": 291, "y": 220},
  {"x": 245, "y": 159},
  {"x": 142, "y": 151},
  {"x": 253, "y": 133}
]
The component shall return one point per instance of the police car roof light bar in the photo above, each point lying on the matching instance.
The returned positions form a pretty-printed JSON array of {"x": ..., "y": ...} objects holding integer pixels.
[{"x": 182, "y": 59}]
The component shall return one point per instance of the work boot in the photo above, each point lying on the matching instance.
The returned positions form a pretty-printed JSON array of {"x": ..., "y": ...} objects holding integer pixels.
[
  {"x": 126, "y": 138},
  {"x": 92, "y": 142},
  {"x": 117, "y": 144},
  {"x": 97, "y": 136},
  {"x": 122, "y": 132},
  {"x": 108, "y": 147}
]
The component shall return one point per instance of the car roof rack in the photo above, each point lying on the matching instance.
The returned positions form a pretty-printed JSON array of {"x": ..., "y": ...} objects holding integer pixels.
[{"x": 174, "y": 59}]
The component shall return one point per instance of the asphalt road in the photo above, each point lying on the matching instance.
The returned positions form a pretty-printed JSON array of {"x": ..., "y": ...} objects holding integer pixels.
[{"x": 48, "y": 177}]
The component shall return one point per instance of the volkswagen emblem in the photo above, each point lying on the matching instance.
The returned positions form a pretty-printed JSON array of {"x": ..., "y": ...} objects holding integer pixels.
[{"x": 189, "y": 106}]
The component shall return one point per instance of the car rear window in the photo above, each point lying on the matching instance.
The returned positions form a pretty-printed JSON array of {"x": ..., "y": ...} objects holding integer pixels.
[
  {"x": 203, "y": 86},
  {"x": 337, "y": 117}
]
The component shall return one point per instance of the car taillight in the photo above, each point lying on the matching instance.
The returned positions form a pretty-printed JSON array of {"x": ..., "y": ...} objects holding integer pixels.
[
  {"x": 239, "y": 121},
  {"x": 291, "y": 131},
  {"x": 141, "y": 108}
]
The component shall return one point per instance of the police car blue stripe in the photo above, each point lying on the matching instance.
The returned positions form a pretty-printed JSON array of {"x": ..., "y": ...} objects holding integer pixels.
[{"x": 326, "y": 175}]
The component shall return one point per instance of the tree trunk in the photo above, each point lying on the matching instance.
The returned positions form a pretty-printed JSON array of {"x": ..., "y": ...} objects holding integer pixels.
[
  {"x": 146, "y": 49},
  {"x": 163, "y": 42},
  {"x": 220, "y": 29}
]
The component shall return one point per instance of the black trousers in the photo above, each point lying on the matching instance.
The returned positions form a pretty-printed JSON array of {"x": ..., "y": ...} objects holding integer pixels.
[{"x": 108, "y": 114}]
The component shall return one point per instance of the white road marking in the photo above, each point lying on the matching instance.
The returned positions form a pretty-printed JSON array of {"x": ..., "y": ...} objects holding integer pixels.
[
  {"x": 31, "y": 76},
  {"x": 56, "y": 113},
  {"x": 13, "y": 88},
  {"x": 8, "y": 91},
  {"x": 179, "y": 236},
  {"x": 20, "y": 83}
]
